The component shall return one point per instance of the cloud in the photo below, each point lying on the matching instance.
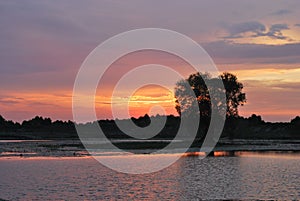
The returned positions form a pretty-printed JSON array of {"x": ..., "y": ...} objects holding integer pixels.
[
  {"x": 8, "y": 102},
  {"x": 237, "y": 30},
  {"x": 275, "y": 32},
  {"x": 281, "y": 12},
  {"x": 297, "y": 25},
  {"x": 295, "y": 86},
  {"x": 255, "y": 29},
  {"x": 277, "y": 84},
  {"x": 42, "y": 104},
  {"x": 227, "y": 52}
]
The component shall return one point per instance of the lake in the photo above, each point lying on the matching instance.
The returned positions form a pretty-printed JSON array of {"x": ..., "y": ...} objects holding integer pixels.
[{"x": 247, "y": 176}]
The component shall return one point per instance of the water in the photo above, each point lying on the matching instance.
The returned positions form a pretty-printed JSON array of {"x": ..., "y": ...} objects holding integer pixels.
[{"x": 252, "y": 176}]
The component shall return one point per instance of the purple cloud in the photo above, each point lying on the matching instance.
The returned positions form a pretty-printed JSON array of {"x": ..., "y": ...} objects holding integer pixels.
[
  {"x": 236, "y": 30},
  {"x": 257, "y": 29},
  {"x": 254, "y": 53}
]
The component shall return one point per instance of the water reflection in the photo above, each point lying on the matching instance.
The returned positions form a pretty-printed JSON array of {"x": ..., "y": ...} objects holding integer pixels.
[
  {"x": 261, "y": 176},
  {"x": 244, "y": 177},
  {"x": 269, "y": 154}
]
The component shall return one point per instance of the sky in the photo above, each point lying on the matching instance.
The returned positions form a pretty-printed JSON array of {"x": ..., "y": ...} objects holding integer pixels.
[{"x": 43, "y": 44}]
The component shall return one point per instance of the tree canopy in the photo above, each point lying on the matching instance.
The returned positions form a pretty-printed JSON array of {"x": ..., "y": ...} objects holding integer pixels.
[{"x": 200, "y": 102}]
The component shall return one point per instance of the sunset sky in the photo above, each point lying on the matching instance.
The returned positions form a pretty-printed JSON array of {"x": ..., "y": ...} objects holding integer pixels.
[{"x": 43, "y": 44}]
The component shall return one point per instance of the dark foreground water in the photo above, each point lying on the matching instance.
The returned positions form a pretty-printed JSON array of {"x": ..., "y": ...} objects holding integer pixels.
[{"x": 254, "y": 176}]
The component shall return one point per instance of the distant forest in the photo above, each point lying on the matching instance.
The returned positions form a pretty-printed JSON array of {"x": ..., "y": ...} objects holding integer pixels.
[
  {"x": 235, "y": 128},
  {"x": 192, "y": 99}
]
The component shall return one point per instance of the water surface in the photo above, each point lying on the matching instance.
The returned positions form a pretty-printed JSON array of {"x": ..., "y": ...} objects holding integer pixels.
[{"x": 249, "y": 176}]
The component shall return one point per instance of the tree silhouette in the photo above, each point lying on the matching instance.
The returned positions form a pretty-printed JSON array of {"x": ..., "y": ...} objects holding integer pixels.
[
  {"x": 296, "y": 121},
  {"x": 200, "y": 102},
  {"x": 234, "y": 94}
]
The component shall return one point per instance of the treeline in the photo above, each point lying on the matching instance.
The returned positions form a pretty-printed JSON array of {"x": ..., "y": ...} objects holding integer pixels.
[
  {"x": 37, "y": 128},
  {"x": 255, "y": 128},
  {"x": 235, "y": 128},
  {"x": 45, "y": 128}
]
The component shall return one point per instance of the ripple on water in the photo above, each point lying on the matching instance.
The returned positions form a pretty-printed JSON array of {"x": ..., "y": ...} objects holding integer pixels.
[{"x": 247, "y": 177}]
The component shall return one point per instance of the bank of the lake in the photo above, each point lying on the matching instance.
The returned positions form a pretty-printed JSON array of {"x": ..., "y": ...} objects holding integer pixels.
[{"x": 71, "y": 148}]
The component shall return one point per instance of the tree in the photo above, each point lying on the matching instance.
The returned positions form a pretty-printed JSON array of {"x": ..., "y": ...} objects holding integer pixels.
[
  {"x": 193, "y": 97},
  {"x": 2, "y": 120},
  {"x": 234, "y": 94},
  {"x": 295, "y": 121}
]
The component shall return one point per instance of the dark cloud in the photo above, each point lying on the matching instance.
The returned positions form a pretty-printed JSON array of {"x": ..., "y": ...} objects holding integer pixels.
[
  {"x": 275, "y": 32},
  {"x": 281, "y": 12},
  {"x": 257, "y": 29},
  {"x": 297, "y": 25},
  {"x": 237, "y": 30},
  {"x": 254, "y": 53}
]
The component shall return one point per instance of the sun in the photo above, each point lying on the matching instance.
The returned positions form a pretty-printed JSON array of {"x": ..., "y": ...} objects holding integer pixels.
[{"x": 152, "y": 100}]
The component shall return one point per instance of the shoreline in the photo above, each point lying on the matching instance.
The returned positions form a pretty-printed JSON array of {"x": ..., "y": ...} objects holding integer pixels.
[
  {"x": 75, "y": 149},
  {"x": 271, "y": 154}
]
